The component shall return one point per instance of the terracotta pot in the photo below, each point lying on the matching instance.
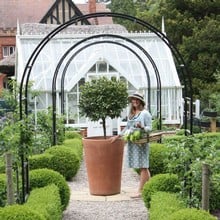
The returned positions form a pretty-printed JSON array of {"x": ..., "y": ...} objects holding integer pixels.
[{"x": 104, "y": 165}]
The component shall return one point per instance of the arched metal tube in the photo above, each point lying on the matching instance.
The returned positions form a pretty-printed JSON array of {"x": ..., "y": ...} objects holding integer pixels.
[{"x": 64, "y": 72}]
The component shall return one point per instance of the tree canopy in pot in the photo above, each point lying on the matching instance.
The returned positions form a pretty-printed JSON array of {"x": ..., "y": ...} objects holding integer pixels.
[{"x": 101, "y": 98}]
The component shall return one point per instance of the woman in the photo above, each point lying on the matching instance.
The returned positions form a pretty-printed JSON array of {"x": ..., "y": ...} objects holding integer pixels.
[{"x": 138, "y": 156}]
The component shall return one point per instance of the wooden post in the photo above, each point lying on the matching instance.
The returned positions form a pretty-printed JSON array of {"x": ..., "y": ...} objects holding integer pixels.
[
  {"x": 213, "y": 124},
  {"x": 9, "y": 179},
  {"x": 205, "y": 186}
]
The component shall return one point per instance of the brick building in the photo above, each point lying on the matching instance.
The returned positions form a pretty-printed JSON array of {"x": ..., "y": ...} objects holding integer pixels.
[{"x": 13, "y": 13}]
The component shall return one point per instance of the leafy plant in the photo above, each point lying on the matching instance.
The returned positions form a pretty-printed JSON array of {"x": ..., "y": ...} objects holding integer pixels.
[
  {"x": 185, "y": 157},
  {"x": 102, "y": 98}
]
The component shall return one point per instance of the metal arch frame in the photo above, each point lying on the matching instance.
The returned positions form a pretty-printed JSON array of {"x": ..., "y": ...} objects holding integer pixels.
[
  {"x": 28, "y": 68},
  {"x": 65, "y": 69},
  {"x": 145, "y": 53},
  {"x": 68, "y": 62},
  {"x": 176, "y": 53}
]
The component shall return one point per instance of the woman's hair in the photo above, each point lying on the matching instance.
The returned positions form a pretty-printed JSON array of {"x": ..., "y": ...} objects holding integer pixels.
[{"x": 132, "y": 109}]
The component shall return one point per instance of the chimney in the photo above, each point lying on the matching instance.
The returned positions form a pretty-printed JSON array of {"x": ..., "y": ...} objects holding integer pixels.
[{"x": 92, "y": 9}]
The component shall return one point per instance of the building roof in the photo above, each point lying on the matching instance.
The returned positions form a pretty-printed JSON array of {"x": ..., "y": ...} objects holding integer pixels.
[
  {"x": 44, "y": 29},
  {"x": 23, "y": 11},
  {"x": 32, "y": 11}
]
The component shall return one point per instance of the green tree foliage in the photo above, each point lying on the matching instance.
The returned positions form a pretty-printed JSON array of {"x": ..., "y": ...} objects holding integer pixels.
[
  {"x": 102, "y": 98},
  {"x": 124, "y": 7},
  {"x": 193, "y": 27}
]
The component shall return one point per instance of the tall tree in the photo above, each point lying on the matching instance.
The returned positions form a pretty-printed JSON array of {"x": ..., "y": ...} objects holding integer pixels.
[
  {"x": 193, "y": 27},
  {"x": 124, "y": 7}
]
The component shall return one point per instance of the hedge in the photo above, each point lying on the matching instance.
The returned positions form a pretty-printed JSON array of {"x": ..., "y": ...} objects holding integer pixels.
[
  {"x": 58, "y": 158},
  {"x": 160, "y": 182},
  {"x": 45, "y": 177},
  {"x": 76, "y": 145},
  {"x": 163, "y": 204},
  {"x": 64, "y": 161},
  {"x": 72, "y": 135},
  {"x": 39, "y": 161},
  {"x": 46, "y": 201},
  {"x": 19, "y": 212},
  {"x": 157, "y": 155},
  {"x": 192, "y": 214},
  {"x": 3, "y": 192}
]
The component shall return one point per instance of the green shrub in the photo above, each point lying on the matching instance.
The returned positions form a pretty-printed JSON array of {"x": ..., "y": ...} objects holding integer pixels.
[
  {"x": 39, "y": 161},
  {"x": 44, "y": 177},
  {"x": 2, "y": 165},
  {"x": 64, "y": 161},
  {"x": 19, "y": 212},
  {"x": 157, "y": 155},
  {"x": 171, "y": 138},
  {"x": 160, "y": 182},
  {"x": 185, "y": 158},
  {"x": 214, "y": 201},
  {"x": 72, "y": 135},
  {"x": 192, "y": 214},
  {"x": 46, "y": 201},
  {"x": 76, "y": 146},
  {"x": 163, "y": 204},
  {"x": 3, "y": 192}
]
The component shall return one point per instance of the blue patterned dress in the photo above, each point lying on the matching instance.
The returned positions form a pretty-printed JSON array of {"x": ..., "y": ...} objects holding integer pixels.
[{"x": 138, "y": 156}]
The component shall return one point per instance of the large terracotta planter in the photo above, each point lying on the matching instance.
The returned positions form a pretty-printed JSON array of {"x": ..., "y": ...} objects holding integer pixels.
[{"x": 104, "y": 165}]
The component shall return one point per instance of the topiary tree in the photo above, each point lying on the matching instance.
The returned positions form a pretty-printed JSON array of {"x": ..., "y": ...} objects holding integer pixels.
[{"x": 102, "y": 98}]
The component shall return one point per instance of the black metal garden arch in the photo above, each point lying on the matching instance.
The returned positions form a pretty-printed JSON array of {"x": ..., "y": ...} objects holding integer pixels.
[
  {"x": 93, "y": 43},
  {"x": 28, "y": 68}
]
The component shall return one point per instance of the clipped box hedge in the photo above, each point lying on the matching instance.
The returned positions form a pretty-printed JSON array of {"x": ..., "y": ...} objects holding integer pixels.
[
  {"x": 157, "y": 156},
  {"x": 46, "y": 201},
  {"x": 163, "y": 204},
  {"x": 72, "y": 135},
  {"x": 59, "y": 158},
  {"x": 40, "y": 161},
  {"x": 45, "y": 177},
  {"x": 160, "y": 182},
  {"x": 64, "y": 161},
  {"x": 19, "y": 212},
  {"x": 191, "y": 214},
  {"x": 76, "y": 145}
]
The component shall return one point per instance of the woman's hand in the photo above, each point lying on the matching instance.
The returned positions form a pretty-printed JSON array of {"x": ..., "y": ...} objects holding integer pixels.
[
  {"x": 138, "y": 125},
  {"x": 114, "y": 138}
]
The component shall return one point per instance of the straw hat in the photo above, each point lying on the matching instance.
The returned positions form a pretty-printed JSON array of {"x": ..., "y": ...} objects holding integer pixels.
[{"x": 138, "y": 96}]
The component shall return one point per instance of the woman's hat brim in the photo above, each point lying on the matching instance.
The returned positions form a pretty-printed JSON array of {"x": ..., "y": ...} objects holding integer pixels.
[{"x": 136, "y": 96}]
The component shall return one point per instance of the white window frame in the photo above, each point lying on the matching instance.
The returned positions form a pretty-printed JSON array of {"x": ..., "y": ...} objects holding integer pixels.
[{"x": 8, "y": 50}]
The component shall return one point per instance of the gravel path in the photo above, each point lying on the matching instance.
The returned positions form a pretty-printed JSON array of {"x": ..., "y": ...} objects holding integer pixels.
[{"x": 105, "y": 210}]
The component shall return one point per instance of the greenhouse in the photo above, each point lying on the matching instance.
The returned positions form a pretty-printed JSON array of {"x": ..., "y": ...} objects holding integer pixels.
[{"x": 109, "y": 56}]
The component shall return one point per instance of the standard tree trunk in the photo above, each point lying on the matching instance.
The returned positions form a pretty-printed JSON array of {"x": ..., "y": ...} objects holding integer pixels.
[{"x": 104, "y": 127}]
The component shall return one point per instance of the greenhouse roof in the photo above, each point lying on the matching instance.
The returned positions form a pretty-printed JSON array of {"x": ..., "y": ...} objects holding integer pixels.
[{"x": 121, "y": 60}]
